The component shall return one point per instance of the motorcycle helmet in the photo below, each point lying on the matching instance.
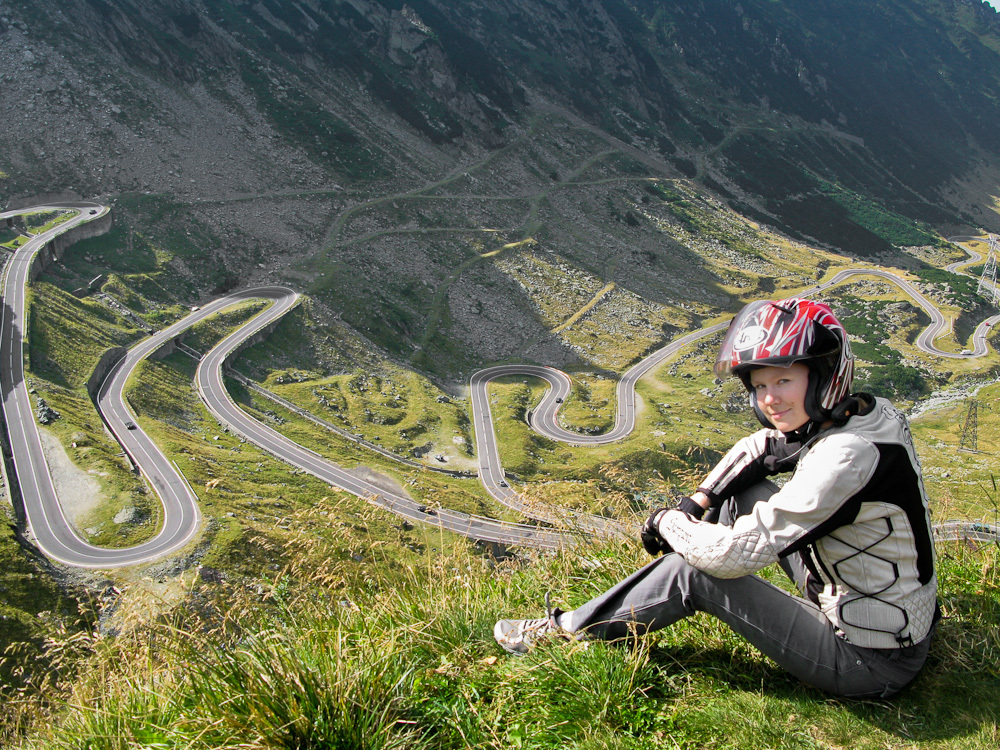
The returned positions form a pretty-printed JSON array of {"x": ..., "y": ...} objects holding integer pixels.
[{"x": 780, "y": 333}]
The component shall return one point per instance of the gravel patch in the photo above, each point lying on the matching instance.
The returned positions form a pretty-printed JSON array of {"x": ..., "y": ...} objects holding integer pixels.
[{"x": 79, "y": 493}]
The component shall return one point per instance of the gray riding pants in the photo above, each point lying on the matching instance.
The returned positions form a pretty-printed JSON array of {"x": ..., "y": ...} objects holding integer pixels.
[{"x": 789, "y": 629}]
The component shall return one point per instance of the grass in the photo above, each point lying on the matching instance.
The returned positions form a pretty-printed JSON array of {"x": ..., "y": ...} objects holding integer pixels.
[
  {"x": 436, "y": 490},
  {"x": 961, "y": 481},
  {"x": 67, "y": 337},
  {"x": 8, "y": 236},
  {"x": 591, "y": 404},
  {"x": 315, "y": 620},
  {"x": 33, "y": 608},
  {"x": 878, "y": 219},
  {"x": 40, "y": 222},
  {"x": 408, "y": 661},
  {"x": 395, "y": 407}
]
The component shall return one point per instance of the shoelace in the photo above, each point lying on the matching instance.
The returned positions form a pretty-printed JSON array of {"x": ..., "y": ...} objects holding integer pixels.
[{"x": 541, "y": 625}]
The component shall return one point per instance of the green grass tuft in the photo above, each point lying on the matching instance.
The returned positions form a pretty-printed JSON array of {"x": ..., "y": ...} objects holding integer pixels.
[{"x": 409, "y": 662}]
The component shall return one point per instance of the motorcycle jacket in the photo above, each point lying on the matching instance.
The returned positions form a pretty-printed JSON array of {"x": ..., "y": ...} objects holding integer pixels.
[{"x": 854, "y": 509}]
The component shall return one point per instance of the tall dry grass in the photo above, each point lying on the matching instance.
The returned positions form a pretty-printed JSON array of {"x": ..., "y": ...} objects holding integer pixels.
[{"x": 390, "y": 656}]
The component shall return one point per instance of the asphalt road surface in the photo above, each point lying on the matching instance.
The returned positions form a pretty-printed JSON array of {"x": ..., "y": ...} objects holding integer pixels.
[
  {"x": 209, "y": 379},
  {"x": 55, "y": 535},
  {"x": 544, "y": 418},
  {"x": 52, "y": 532}
]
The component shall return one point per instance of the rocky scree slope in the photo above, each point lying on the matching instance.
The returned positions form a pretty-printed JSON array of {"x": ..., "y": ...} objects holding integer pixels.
[{"x": 272, "y": 128}]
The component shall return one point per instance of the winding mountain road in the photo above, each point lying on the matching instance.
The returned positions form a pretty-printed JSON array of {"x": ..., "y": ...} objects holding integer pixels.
[
  {"x": 181, "y": 518},
  {"x": 209, "y": 379},
  {"x": 53, "y": 533},
  {"x": 544, "y": 418}
]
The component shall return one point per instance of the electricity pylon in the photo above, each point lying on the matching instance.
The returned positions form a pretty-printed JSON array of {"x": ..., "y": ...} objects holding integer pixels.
[
  {"x": 988, "y": 281},
  {"x": 970, "y": 432}
]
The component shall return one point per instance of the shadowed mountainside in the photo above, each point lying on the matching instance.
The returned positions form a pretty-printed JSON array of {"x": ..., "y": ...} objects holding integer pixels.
[{"x": 374, "y": 152}]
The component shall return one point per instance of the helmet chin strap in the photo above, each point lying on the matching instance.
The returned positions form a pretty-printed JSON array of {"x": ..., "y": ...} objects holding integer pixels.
[
  {"x": 804, "y": 433},
  {"x": 803, "y": 437},
  {"x": 817, "y": 384},
  {"x": 860, "y": 403}
]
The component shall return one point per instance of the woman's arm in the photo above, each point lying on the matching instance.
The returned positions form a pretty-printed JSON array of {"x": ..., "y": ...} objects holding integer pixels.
[{"x": 829, "y": 475}]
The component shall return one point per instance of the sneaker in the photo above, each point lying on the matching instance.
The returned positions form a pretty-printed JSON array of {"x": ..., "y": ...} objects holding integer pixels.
[{"x": 518, "y": 636}]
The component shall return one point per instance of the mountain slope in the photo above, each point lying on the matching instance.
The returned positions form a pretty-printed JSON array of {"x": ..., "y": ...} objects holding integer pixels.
[
  {"x": 275, "y": 130},
  {"x": 915, "y": 79}
]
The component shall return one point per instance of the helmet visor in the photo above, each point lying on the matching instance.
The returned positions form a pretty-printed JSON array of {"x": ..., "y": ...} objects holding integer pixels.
[
  {"x": 777, "y": 334},
  {"x": 744, "y": 334}
]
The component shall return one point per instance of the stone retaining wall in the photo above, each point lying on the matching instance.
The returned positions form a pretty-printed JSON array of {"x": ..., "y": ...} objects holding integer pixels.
[
  {"x": 101, "y": 369},
  {"x": 53, "y": 250}
]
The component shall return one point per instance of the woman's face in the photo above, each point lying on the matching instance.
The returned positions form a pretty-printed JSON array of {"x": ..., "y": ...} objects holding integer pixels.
[{"x": 781, "y": 394}]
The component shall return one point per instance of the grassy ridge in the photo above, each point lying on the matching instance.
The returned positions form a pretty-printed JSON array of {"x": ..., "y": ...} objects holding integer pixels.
[{"x": 408, "y": 661}]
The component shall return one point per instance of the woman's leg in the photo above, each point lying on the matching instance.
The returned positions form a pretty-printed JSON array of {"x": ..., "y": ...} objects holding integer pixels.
[{"x": 790, "y": 630}]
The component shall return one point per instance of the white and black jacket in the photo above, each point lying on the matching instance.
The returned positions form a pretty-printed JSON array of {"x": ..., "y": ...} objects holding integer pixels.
[{"x": 855, "y": 509}]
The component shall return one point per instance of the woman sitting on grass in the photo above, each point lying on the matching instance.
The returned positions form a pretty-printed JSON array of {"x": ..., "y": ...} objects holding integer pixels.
[{"x": 850, "y": 527}]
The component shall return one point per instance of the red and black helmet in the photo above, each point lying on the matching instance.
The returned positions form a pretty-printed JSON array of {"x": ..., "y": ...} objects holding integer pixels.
[{"x": 780, "y": 333}]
